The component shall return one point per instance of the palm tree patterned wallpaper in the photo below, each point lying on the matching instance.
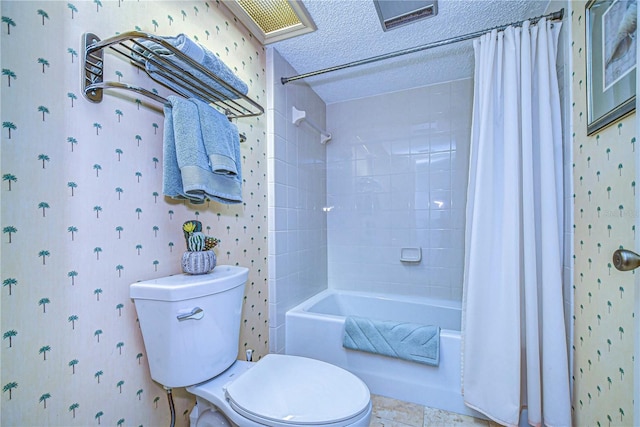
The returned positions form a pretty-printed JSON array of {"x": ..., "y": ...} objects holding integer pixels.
[
  {"x": 604, "y": 202},
  {"x": 83, "y": 214}
]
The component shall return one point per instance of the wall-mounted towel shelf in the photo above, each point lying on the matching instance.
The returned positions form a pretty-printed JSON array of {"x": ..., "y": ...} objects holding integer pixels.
[
  {"x": 131, "y": 46},
  {"x": 298, "y": 116}
]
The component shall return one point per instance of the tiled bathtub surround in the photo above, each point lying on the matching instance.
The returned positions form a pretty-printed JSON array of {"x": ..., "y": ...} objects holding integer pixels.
[
  {"x": 297, "y": 191},
  {"x": 394, "y": 175},
  {"x": 396, "y": 178}
]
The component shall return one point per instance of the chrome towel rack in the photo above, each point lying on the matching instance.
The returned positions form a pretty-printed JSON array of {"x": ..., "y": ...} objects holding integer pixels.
[{"x": 182, "y": 82}]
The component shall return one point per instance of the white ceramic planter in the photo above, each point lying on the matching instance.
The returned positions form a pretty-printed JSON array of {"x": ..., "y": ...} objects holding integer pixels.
[{"x": 200, "y": 262}]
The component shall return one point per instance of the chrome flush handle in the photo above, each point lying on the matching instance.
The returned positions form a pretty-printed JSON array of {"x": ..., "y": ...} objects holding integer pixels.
[
  {"x": 196, "y": 314},
  {"x": 626, "y": 260}
]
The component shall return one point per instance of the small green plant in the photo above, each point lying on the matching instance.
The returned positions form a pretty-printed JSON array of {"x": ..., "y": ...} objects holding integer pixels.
[{"x": 196, "y": 240}]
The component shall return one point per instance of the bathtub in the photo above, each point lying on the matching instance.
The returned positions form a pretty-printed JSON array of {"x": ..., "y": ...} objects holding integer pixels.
[{"x": 315, "y": 328}]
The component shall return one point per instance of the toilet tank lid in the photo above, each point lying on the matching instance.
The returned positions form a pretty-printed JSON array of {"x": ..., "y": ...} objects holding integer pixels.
[{"x": 181, "y": 287}]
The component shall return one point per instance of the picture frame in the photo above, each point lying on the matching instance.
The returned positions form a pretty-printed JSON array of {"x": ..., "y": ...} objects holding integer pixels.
[{"x": 611, "y": 61}]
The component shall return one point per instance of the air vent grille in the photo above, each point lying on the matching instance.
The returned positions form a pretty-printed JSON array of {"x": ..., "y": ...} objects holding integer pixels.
[
  {"x": 272, "y": 20},
  {"x": 270, "y": 15},
  {"x": 396, "y": 13}
]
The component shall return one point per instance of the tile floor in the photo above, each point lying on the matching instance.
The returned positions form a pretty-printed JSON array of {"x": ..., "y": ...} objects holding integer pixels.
[{"x": 389, "y": 412}]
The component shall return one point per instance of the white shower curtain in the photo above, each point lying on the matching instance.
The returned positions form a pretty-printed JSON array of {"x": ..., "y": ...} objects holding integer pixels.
[{"x": 514, "y": 345}]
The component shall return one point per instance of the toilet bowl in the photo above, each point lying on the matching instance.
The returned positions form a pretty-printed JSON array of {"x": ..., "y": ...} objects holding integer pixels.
[
  {"x": 283, "y": 391},
  {"x": 190, "y": 327}
]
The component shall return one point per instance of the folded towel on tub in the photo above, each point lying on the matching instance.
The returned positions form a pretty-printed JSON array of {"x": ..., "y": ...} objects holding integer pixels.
[
  {"x": 198, "y": 53},
  {"x": 408, "y": 341},
  {"x": 201, "y": 151}
]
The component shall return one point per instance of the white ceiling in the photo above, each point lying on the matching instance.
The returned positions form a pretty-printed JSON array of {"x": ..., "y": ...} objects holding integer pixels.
[{"x": 349, "y": 30}]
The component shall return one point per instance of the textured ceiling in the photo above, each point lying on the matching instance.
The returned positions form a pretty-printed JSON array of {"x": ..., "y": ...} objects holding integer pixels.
[{"x": 349, "y": 30}]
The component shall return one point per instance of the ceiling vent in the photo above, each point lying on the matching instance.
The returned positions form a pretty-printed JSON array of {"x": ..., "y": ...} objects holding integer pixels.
[
  {"x": 396, "y": 13},
  {"x": 272, "y": 20}
]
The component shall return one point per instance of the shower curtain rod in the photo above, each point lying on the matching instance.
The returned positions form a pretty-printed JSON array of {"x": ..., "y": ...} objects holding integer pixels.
[{"x": 555, "y": 16}]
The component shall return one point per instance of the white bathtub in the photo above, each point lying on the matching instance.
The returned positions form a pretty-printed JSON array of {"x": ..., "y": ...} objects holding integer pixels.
[{"x": 315, "y": 329}]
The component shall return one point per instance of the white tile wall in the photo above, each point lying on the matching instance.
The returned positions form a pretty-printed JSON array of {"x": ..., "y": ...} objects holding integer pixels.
[
  {"x": 396, "y": 177},
  {"x": 297, "y": 191}
]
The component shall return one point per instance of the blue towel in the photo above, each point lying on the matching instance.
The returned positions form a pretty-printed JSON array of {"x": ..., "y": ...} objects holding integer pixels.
[
  {"x": 200, "y": 54},
  {"x": 223, "y": 152},
  {"x": 181, "y": 42},
  {"x": 182, "y": 146},
  {"x": 195, "y": 133},
  {"x": 171, "y": 177},
  {"x": 408, "y": 341},
  {"x": 221, "y": 142}
]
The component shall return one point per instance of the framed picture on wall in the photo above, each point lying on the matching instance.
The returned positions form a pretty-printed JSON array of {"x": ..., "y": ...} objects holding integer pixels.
[{"x": 611, "y": 61}]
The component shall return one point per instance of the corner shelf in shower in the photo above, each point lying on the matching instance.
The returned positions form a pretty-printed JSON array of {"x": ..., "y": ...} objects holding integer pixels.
[{"x": 128, "y": 45}]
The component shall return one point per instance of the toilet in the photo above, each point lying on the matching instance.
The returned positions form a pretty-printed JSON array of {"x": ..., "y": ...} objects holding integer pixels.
[{"x": 191, "y": 326}]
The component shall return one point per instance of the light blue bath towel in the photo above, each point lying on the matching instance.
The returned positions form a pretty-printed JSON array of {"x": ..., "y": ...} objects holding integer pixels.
[
  {"x": 196, "y": 134},
  {"x": 182, "y": 146},
  {"x": 171, "y": 177},
  {"x": 408, "y": 341},
  {"x": 221, "y": 142},
  {"x": 223, "y": 150},
  {"x": 198, "y": 53}
]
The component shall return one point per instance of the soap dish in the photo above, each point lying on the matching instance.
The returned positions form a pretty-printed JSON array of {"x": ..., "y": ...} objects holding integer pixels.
[{"x": 410, "y": 254}]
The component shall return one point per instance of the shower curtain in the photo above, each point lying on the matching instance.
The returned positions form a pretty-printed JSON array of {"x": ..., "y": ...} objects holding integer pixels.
[{"x": 514, "y": 345}]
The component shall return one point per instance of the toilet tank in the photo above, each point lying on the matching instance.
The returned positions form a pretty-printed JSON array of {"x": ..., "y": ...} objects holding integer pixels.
[{"x": 190, "y": 323}]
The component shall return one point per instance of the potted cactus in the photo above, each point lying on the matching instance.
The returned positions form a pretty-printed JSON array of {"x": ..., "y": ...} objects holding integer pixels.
[{"x": 199, "y": 257}]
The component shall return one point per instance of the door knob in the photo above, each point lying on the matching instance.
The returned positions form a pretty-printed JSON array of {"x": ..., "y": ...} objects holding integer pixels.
[{"x": 625, "y": 260}]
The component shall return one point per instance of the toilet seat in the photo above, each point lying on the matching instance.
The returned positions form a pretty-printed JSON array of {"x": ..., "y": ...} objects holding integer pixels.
[
  {"x": 285, "y": 391},
  {"x": 293, "y": 390}
]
